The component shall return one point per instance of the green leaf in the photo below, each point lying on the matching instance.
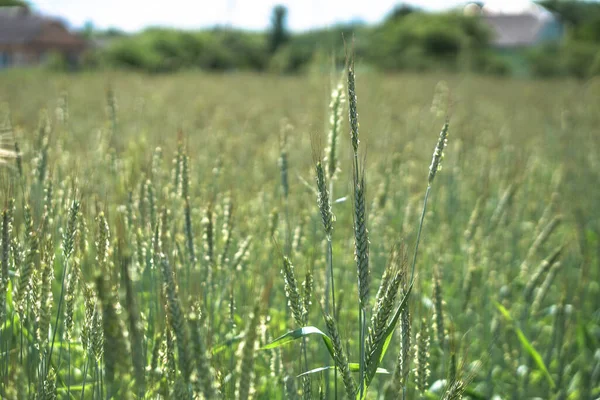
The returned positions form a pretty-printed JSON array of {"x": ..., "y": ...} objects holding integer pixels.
[
  {"x": 219, "y": 348},
  {"x": 354, "y": 367},
  {"x": 9, "y": 298},
  {"x": 316, "y": 370},
  {"x": 505, "y": 313},
  {"x": 473, "y": 394},
  {"x": 537, "y": 358},
  {"x": 74, "y": 388},
  {"x": 17, "y": 327},
  {"x": 298, "y": 334},
  {"x": 585, "y": 339}
]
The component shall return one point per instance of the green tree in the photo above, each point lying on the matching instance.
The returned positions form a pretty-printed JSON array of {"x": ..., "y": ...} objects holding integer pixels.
[
  {"x": 278, "y": 34},
  {"x": 14, "y": 3},
  {"x": 400, "y": 11}
]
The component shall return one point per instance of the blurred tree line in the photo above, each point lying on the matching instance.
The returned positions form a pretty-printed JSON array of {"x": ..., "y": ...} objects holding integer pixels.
[
  {"x": 13, "y": 3},
  {"x": 407, "y": 39},
  {"x": 579, "y": 54}
]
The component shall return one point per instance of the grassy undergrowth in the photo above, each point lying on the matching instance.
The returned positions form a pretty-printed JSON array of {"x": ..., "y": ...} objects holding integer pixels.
[{"x": 218, "y": 236}]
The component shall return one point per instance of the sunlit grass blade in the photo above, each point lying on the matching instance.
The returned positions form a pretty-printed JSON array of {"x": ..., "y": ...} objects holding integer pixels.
[
  {"x": 228, "y": 343},
  {"x": 354, "y": 367},
  {"x": 299, "y": 334},
  {"x": 535, "y": 355}
]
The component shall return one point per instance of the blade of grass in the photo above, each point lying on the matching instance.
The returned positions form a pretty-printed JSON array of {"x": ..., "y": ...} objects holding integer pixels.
[
  {"x": 298, "y": 334},
  {"x": 354, "y": 367},
  {"x": 527, "y": 346}
]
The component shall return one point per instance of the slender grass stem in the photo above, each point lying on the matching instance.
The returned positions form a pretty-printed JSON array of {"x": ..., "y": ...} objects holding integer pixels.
[
  {"x": 333, "y": 305},
  {"x": 414, "y": 261},
  {"x": 330, "y": 268},
  {"x": 330, "y": 291},
  {"x": 95, "y": 382},
  {"x": 85, "y": 368},
  {"x": 363, "y": 333},
  {"x": 69, "y": 371},
  {"x": 60, "y": 300},
  {"x": 304, "y": 354},
  {"x": 21, "y": 336},
  {"x": 101, "y": 383}
]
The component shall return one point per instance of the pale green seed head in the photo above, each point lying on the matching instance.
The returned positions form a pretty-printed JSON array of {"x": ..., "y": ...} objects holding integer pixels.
[{"x": 438, "y": 154}]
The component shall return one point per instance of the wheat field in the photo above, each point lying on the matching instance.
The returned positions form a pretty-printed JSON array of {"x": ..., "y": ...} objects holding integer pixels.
[{"x": 244, "y": 236}]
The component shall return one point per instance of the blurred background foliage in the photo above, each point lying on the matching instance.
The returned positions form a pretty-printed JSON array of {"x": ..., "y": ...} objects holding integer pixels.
[{"x": 408, "y": 39}]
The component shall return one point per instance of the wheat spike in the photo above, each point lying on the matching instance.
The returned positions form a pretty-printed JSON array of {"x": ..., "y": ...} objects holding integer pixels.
[
  {"x": 292, "y": 292},
  {"x": 473, "y": 221},
  {"x": 537, "y": 276},
  {"x": 71, "y": 233},
  {"x": 177, "y": 320},
  {"x": 455, "y": 390},
  {"x": 226, "y": 231},
  {"x": 405, "y": 349},
  {"x": 335, "y": 121},
  {"x": 384, "y": 308},
  {"x": 438, "y": 303},
  {"x": 135, "y": 329},
  {"x": 352, "y": 109},
  {"x": 29, "y": 264},
  {"x": 540, "y": 239},
  {"x": 116, "y": 348},
  {"x": 241, "y": 253},
  {"x": 70, "y": 298},
  {"x": 189, "y": 233},
  {"x": 181, "y": 390},
  {"x": 4, "y": 261},
  {"x": 46, "y": 291},
  {"x": 204, "y": 370},
  {"x": 323, "y": 200},
  {"x": 209, "y": 237},
  {"x": 168, "y": 353},
  {"x": 308, "y": 287},
  {"x": 306, "y": 388},
  {"x": 340, "y": 357},
  {"x": 361, "y": 241},
  {"x": 283, "y": 160},
  {"x": 49, "y": 387},
  {"x": 422, "y": 371},
  {"x": 291, "y": 392},
  {"x": 245, "y": 367},
  {"x": 545, "y": 287},
  {"x": 438, "y": 154}
]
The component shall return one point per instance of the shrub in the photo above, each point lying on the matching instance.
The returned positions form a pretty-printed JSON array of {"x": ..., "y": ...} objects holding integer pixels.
[
  {"x": 56, "y": 61},
  {"x": 426, "y": 41},
  {"x": 165, "y": 50},
  {"x": 574, "y": 59},
  {"x": 595, "y": 68}
]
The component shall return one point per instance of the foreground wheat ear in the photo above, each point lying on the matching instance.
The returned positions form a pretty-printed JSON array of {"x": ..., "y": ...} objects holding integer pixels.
[{"x": 388, "y": 310}]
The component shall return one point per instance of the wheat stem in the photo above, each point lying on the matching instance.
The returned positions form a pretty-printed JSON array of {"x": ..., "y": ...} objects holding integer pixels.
[{"x": 414, "y": 261}]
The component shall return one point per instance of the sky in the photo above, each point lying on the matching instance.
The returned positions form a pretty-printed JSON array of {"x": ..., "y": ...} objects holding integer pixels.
[{"x": 134, "y": 15}]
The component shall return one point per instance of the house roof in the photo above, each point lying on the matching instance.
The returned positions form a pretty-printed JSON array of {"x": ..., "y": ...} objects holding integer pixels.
[
  {"x": 512, "y": 30},
  {"x": 515, "y": 7},
  {"x": 519, "y": 22},
  {"x": 18, "y": 25}
]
